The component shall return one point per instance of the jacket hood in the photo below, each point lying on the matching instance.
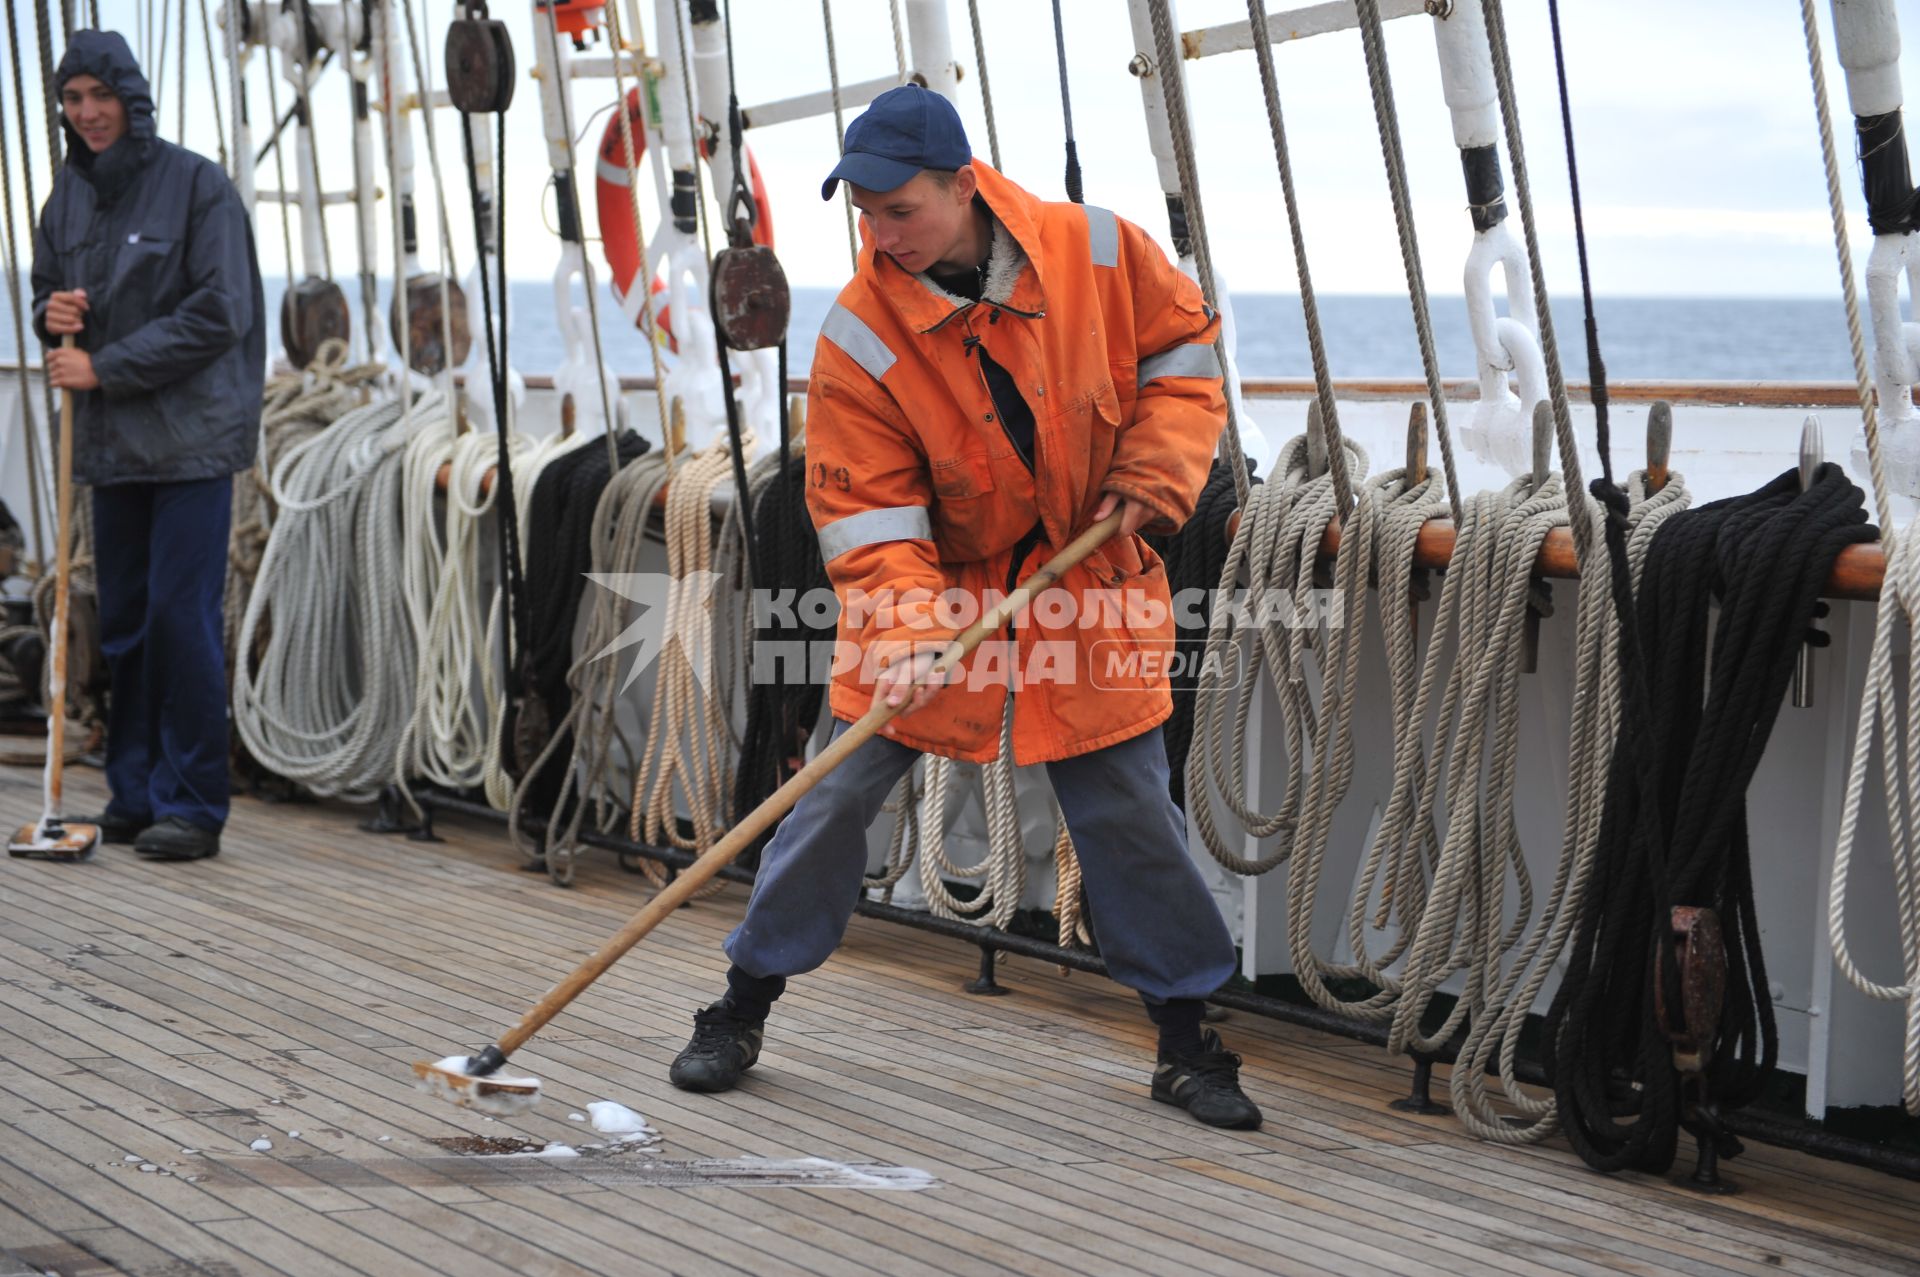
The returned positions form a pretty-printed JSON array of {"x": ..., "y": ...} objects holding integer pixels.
[{"x": 106, "y": 56}]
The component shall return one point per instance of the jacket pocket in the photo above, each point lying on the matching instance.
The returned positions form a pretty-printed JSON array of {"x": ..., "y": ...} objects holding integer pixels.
[
  {"x": 964, "y": 510},
  {"x": 142, "y": 275}
]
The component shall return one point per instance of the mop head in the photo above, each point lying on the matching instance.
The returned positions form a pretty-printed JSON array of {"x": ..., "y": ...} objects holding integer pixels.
[
  {"x": 494, "y": 1094},
  {"x": 55, "y": 840}
]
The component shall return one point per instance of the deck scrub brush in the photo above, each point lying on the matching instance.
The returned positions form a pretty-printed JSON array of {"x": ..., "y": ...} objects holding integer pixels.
[{"x": 475, "y": 1082}]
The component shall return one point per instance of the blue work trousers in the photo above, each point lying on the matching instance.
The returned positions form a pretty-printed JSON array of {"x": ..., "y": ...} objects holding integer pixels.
[
  {"x": 160, "y": 551},
  {"x": 1157, "y": 925}
]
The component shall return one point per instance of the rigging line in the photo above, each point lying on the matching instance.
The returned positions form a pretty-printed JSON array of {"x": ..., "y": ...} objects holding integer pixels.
[
  {"x": 693, "y": 132},
  {"x": 280, "y": 167},
  {"x": 1167, "y": 56},
  {"x": 1583, "y": 536},
  {"x": 840, "y": 129},
  {"x": 1596, "y": 369},
  {"x": 899, "y": 43},
  {"x": 449, "y": 266},
  {"x": 1310, "y": 307},
  {"x": 643, "y": 273},
  {"x": 740, "y": 197},
  {"x": 26, "y": 174},
  {"x": 181, "y": 55},
  {"x": 213, "y": 86},
  {"x": 31, "y": 427},
  {"x": 1075, "y": 191},
  {"x": 986, "y": 88},
  {"x": 1386, "y": 116},
  {"x": 158, "y": 63},
  {"x": 49, "y": 96},
  {"x": 565, "y": 98}
]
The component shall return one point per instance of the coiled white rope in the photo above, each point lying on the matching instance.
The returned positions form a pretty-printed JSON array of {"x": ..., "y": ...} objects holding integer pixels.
[
  {"x": 333, "y": 688},
  {"x": 1485, "y": 597},
  {"x": 688, "y": 739},
  {"x": 1282, "y": 523},
  {"x": 1386, "y": 519},
  {"x": 454, "y": 721},
  {"x": 1495, "y": 1027},
  {"x": 1001, "y": 874},
  {"x": 1880, "y": 709}
]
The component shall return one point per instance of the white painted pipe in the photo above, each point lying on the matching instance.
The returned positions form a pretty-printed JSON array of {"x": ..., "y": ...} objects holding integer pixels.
[
  {"x": 1466, "y": 74},
  {"x": 711, "y": 86},
  {"x": 1867, "y": 33},
  {"x": 237, "y": 55},
  {"x": 930, "y": 47},
  {"x": 551, "y": 72},
  {"x": 1144, "y": 68},
  {"x": 673, "y": 79}
]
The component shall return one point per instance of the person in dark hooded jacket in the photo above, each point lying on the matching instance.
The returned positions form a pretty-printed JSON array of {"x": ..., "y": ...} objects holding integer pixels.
[{"x": 145, "y": 256}]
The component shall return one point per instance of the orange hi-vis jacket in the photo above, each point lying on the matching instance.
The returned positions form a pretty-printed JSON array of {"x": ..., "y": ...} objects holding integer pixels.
[{"x": 920, "y": 497}]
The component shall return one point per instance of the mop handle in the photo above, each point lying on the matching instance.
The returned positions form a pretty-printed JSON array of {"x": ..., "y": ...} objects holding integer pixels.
[
  {"x": 57, "y": 684},
  {"x": 778, "y": 803}
]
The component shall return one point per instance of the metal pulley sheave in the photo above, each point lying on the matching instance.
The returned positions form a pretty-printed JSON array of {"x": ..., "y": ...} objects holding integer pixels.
[
  {"x": 312, "y": 313},
  {"x": 749, "y": 295},
  {"x": 434, "y": 309},
  {"x": 479, "y": 63}
]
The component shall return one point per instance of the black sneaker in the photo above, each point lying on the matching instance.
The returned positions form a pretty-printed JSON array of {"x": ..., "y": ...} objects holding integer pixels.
[
  {"x": 724, "y": 1046},
  {"x": 1206, "y": 1083},
  {"x": 115, "y": 828},
  {"x": 177, "y": 839}
]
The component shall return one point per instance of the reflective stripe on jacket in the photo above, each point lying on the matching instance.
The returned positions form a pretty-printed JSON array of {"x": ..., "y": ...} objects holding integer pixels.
[{"x": 916, "y": 490}]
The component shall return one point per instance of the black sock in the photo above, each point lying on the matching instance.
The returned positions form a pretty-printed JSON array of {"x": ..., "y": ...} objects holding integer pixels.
[
  {"x": 1179, "y": 1023},
  {"x": 752, "y": 996}
]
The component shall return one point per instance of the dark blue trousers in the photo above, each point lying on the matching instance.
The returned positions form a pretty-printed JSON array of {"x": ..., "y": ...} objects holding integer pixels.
[
  {"x": 160, "y": 551},
  {"x": 1156, "y": 923}
]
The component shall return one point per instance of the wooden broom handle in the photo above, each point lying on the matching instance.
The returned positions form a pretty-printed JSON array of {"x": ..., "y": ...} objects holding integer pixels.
[
  {"x": 63, "y": 555},
  {"x": 778, "y": 803}
]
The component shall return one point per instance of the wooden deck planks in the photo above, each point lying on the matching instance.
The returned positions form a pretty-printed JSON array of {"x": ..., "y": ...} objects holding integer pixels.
[{"x": 286, "y": 986}]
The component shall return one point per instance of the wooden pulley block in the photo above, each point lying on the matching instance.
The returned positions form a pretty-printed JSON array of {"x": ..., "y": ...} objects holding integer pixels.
[
  {"x": 532, "y": 728},
  {"x": 1700, "y": 953},
  {"x": 479, "y": 62},
  {"x": 313, "y": 313},
  {"x": 427, "y": 297},
  {"x": 751, "y": 301}
]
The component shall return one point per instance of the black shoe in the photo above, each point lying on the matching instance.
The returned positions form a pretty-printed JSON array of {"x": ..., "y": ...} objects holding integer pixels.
[
  {"x": 177, "y": 839},
  {"x": 724, "y": 1046},
  {"x": 115, "y": 828},
  {"x": 1206, "y": 1083}
]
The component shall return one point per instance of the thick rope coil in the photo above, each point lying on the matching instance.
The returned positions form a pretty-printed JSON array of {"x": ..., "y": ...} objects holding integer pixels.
[
  {"x": 329, "y": 697},
  {"x": 1880, "y": 711},
  {"x": 1488, "y": 585},
  {"x": 1514, "y": 1116},
  {"x": 1281, "y": 526},
  {"x": 1001, "y": 873},
  {"x": 687, "y": 739},
  {"x": 587, "y": 731}
]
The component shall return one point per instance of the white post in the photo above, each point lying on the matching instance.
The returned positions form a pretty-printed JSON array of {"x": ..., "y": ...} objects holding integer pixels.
[
  {"x": 930, "y": 47},
  {"x": 237, "y": 54},
  {"x": 1144, "y": 68},
  {"x": 1500, "y": 420},
  {"x": 711, "y": 87},
  {"x": 1867, "y": 33}
]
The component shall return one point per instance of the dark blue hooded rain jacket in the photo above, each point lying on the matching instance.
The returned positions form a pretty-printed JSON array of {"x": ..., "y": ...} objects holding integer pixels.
[{"x": 158, "y": 237}]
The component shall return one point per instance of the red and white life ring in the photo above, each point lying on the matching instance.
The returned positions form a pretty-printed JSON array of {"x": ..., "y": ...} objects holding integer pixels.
[{"x": 623, "y": 251}]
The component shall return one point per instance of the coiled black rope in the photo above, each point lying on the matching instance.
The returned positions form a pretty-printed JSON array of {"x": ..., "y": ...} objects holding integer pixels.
[
  {"x": 559, "y": 552},
  {"x": 1675, "y": 829},
  {"x": 1194, "y": 557},
  {"x": 780, "y": 711}
]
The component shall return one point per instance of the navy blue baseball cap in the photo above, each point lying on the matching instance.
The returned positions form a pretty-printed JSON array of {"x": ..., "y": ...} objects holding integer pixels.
[{"x": 903, "y": 131}]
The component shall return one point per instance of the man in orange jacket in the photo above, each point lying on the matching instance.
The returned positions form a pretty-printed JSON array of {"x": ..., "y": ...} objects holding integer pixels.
[{"x": 1000, "y": 373}]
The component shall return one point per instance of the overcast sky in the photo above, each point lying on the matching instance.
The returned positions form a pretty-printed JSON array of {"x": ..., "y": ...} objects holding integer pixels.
[{"x": 1697, "y": 142}]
